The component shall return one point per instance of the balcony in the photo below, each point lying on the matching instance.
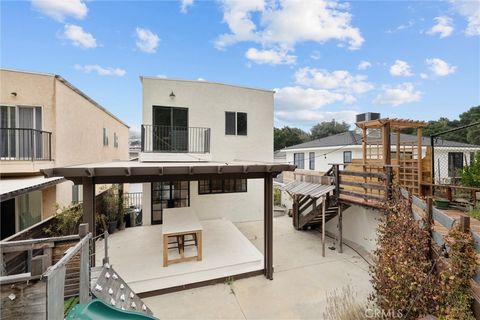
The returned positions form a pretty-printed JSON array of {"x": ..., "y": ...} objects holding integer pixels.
[
  {"x": 17, "y": 144},
  {"x": 171, "y": 139}
]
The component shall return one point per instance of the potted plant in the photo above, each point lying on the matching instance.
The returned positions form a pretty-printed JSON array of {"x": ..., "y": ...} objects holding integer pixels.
[
  {"x": 442, "y": 203},
  {"x": 109, "y": 208}
]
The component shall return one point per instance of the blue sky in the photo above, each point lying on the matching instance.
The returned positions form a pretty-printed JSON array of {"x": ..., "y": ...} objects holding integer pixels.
[{"x": 325, "y": 59}]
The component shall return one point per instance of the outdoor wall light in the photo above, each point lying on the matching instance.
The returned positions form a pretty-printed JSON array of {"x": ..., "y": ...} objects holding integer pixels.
[
  {"x": 13, "y": 94},
  {"x": 172, "y": 95}
]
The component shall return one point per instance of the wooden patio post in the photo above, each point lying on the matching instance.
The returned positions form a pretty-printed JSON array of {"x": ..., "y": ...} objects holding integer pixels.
[
  {"x": 89, "y": 210},
  {"x": 268, "y": 226},
  {"x": 398, "y": 156},
  {"x": 419, "y": 156},
  {"x": 386, "y": 144}
]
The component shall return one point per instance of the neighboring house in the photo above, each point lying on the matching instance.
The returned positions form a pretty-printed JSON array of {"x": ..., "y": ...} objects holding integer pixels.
[
  {"x": 46, "y": 122},
  {"x": 318, "y": 155},
  {"x": 185, "y": 121}
]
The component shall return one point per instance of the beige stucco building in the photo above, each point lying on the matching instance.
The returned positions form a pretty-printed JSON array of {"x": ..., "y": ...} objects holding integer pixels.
[{"x": 45, "y": 121}]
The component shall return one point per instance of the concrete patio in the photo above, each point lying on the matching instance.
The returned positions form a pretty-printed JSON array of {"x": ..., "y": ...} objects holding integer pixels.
[{"x": 302, "y": 280}]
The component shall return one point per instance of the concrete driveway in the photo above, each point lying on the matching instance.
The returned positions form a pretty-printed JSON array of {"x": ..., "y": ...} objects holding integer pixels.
[{"x": 302, "y": 280}]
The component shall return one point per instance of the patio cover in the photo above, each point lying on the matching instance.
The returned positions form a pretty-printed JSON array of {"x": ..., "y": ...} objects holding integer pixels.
[
  {"x": 14, "y": 187},
  {"x": 136, "y": 172},
  {"x": 312, "y": 190}
]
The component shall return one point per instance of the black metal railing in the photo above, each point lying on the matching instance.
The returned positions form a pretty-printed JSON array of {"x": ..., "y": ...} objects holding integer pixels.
[
  {"x": 25, "y": 144},
  {"x": 175, "y": 139}
]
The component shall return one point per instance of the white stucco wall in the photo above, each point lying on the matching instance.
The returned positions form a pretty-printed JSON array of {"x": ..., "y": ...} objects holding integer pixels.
[
  {"x": 207, "y": 103},
  {"x": 325, "y": 156},
  {"x": 359, "y": 226}
]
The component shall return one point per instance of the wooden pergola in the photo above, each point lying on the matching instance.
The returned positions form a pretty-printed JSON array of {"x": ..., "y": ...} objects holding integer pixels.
[
  {"x": 377, "y": 150},
  {"x": 89, "y": 175}
]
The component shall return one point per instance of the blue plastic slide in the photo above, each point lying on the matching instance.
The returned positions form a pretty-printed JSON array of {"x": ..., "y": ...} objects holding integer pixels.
[{"x": 98, "y": 310}]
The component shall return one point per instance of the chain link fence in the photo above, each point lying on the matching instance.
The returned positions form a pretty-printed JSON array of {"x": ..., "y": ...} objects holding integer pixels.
[{"x": 452, "y": 151}]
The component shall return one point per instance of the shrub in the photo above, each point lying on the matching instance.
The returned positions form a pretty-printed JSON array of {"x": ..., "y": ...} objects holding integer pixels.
[
  {"x": 277, "y": 197},
  {"x": 457, "y": 295},
  {"x": 402, "y": 276},
  {"x": 65, "y": 222},
  {"x": 342, "y": 305},
  {"x": 470, "y": 175}
]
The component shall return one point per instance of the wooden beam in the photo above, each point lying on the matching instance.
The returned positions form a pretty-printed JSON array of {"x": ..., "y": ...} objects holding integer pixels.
[
  {"x": 419, "y": 154},
  {"x": 378, "y": 175},
  {"x": 363, "y": 185},
  {"x": 386, "y": 144},
  {"x": 362, "y": 195},
  {"x": 397, "y": 169}
]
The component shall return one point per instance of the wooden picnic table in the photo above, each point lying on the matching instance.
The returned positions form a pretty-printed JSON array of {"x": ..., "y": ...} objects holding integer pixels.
[{"x": 178, "y": 222}]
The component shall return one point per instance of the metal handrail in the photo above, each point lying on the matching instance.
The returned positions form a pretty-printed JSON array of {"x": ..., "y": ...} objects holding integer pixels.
[
  {"x": 175, "y": 139},
  {"x": 25, "y": 144}
]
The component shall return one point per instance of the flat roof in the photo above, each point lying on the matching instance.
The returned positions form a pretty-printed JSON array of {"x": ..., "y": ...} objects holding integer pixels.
[
  {"x": 135, "y": 171},
  {"x": 14, "y": 187},
  {"x": 204, "y": 81}
]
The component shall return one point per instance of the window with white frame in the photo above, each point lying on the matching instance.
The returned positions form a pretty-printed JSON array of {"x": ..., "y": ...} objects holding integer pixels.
[
  {"x": 311, "y": 160},
  {"x": 299, "y": 160},
  {"x": 347, "y": 156}
]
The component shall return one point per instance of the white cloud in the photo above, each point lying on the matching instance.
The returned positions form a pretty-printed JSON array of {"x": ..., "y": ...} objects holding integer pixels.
[
  {"x": 147, "y": 41},
  {"x": 60, "y": 9},
  {"x": 470, "y": 9},
  {"x": 309, "y": 118},
  {"x": 162, "y": 76},
  {"x": 439, "y": 67},
  {"x": 400, "y": 69},
  {"x": 284, "y": 23},
  {"x": 401, "y": 94},
  {"x": 201, "y": 79},
  {"x": 79, "y": 37},
  {"x": 184, "y": 4},
  {"x": 296, "y": 98},
  {"x": 337, "y": 81},
  {"x": 423, "y": 75},
  {"x": 364, "y": 65},
  {"x": 271, "y": 57},
  {"x": 443, "y": 26},
  {"x": 101, "y": 71}
]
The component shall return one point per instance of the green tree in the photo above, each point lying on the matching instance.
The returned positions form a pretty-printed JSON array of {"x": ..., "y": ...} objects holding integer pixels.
[
  {"x": 286, "y": 137},
  {"x": 328, "y": 128}
]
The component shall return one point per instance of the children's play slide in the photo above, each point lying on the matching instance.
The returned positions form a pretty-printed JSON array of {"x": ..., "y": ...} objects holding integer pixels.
[{"x": 98, "y": 310}]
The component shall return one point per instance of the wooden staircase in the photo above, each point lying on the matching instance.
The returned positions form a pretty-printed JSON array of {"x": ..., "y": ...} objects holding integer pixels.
[{"x": 310, "y": 214}]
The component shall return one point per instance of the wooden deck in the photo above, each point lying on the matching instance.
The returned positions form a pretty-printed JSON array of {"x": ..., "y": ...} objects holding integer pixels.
[{"x": 29, "y": 301}]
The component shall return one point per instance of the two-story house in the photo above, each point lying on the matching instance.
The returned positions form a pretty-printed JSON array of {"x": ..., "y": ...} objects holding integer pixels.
[
  {"x": 47, "y": 122},
  {"x": 204, "y": 121}
]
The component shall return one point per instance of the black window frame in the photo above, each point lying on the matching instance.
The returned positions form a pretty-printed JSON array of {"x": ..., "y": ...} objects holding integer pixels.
[
  {"x": 217, "y": 186},
  {"x": 311, "y": 160},
  {"x": 234, "y": 126},
  {"x": 344, "y": 156},
  {"x": 160, "y": 188},
  {"x": 300, "y": 163},
  {"x": 455, "y": 163}
]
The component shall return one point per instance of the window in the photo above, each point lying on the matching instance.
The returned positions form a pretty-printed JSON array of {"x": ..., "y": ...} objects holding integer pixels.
[
  {"x": 311, "y": 161},
  {"x": 347, "y": 156},
  {"x": 299, "y": 160},
  {"x": 29, "y": 209},
  {"x": 115, "y": 140},
  {"x": 77, "y": 194},
  {"x": 236, "y": 123},
  {"x": 105, "y": 137},
  {"x": 168, "y": 194},
  {"x": 222, "y": 186},
  {"x": 455, "y": 163}
]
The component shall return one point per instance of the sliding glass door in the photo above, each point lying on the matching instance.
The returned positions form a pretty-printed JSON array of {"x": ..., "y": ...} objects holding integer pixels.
[{"x": 170, "y": 129}]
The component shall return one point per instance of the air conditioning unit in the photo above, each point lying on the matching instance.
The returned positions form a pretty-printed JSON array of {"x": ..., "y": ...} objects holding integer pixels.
[{"x": 367, "y": 116}]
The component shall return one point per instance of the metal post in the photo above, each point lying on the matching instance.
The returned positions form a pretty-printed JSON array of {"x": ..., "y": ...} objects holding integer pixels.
[
  {"x": 340, "y": 231},
  {"x": 89, "y": 209},
  {"x": 268, "y": 223},
  {"x": 323, "y": 226},
  {"x": 105, "y": 259}
]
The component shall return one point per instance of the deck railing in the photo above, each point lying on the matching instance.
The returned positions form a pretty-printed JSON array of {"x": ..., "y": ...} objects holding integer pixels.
[
  {"x": 25, "y": 144},
  {"x": 175, "y": 139}
]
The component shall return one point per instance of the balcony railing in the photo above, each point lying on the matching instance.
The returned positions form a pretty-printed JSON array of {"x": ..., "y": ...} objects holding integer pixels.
[
  {"x": 25, "y": 144},
  {"x": 175, "y": 139}
]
